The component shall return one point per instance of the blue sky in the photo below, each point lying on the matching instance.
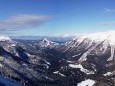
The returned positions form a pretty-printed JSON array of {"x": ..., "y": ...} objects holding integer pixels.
[{"x": 56, "y": 17}]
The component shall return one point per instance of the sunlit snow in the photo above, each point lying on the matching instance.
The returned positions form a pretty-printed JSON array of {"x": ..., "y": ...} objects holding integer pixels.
[
  {"x": 81, "y": 68},
  {"x": 87, "y": 82}
]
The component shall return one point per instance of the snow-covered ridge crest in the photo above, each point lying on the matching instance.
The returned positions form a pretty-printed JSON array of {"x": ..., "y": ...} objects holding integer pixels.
[
  {"x": 4, "y": 38},
  {"x": 108, "y": 36}
]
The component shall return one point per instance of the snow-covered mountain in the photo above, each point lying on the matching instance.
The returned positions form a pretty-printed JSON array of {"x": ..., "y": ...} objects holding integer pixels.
[
  {"x": 93, "y": 54},
  {"x": 95, "y": 43}
]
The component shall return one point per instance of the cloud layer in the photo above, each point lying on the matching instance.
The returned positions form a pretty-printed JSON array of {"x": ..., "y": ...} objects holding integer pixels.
[{"x": 22, "y": 21}]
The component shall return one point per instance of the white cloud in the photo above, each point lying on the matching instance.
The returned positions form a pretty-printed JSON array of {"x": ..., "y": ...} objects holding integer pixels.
[
  {"x": 22, "y": 21},
  {"x": 70, "y": 35}
]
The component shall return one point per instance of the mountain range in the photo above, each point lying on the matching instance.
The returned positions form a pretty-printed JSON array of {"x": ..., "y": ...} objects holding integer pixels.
[{"x": 87, "y": 59}]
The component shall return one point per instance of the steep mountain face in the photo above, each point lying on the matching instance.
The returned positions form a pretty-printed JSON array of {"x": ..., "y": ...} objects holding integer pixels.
[{"x": 46, "y": 63}]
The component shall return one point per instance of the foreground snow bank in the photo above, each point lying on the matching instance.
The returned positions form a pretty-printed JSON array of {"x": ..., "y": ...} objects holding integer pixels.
[
  {"x": 87, "y": 82},
  {"x": 9, "y": 82}
]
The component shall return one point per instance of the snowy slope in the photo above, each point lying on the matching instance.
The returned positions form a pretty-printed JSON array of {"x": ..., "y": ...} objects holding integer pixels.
[
  {"x": 87, "y": 82},
  {"x": 95, "y": 43}
]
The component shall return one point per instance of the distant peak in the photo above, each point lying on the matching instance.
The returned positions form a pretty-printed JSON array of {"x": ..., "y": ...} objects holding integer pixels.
[
  {"x": 45, "y": 40},
  {"x": 44, "y": 43},
  {"x": 4, "y": 38}
]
